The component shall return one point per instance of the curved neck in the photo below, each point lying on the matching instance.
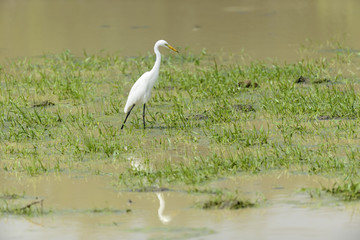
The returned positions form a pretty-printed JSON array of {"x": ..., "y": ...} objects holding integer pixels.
[{"x": 158, "y": 59}]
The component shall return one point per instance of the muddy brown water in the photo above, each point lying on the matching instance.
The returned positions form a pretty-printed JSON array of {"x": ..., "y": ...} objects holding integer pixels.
[
  {"x": 287, "y": 212},
  {"x": 262, "y": 28}
]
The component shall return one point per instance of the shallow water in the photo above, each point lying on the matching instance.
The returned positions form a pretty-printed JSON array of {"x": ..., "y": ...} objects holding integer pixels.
[
  {"x": 86, "y": 206},
  {"x": 262, "y": 28},
  {"x": 286, "y": 213}
]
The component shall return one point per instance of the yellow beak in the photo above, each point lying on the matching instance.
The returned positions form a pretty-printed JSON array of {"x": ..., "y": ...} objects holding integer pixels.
[{"x": 172, "y": 48}]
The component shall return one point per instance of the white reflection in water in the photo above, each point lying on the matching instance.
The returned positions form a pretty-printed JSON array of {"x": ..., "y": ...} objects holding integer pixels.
[
  {"x": 164, "y": 219},
  {"x": 138, "y": 165}
]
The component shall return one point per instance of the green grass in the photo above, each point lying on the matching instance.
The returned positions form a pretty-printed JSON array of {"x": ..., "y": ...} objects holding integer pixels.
[
  {"x": 347, "y": 191},
  {"x": 227, "y": 201},
  {"x": 198, "y": 128},
  {"x": 15, "y": 204}
]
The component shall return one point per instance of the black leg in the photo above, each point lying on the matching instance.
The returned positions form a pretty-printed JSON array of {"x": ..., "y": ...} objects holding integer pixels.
[
  {"x": 127, "y": 115},
  {"x": 144, "y": 115}
]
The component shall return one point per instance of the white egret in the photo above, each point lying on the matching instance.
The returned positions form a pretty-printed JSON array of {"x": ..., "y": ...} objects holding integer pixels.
[{"x": 141, "y": 91}]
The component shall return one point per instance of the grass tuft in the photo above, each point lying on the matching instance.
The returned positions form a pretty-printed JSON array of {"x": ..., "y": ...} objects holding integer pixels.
[
  {"x": 227, "y": 201},
  {"x": 347, "y": 191}
]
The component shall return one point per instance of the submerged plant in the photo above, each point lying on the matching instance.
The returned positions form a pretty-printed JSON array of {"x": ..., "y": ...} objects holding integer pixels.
[
  {"x": 8, "y": 207},
  {"x": 226, "y": 201},
  {"x": 347, "y": 191},
  {"x": 209, "y": 119}
]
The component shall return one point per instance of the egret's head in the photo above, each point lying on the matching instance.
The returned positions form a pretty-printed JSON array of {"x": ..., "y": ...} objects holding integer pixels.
[{"x": 164, "y": 43}]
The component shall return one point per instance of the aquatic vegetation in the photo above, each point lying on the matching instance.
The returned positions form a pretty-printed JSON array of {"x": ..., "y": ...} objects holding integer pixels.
[
  {"x": 208, "y": 119},
  {"x": 227, "y": 201},
  {"x": 347, "y": 191},
  {"x": 9, "y": 206},
  {"x": 108, "y": 210}
]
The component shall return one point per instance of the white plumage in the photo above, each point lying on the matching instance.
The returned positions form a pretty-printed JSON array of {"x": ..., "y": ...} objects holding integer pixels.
[{"x": 140, "y": 92}]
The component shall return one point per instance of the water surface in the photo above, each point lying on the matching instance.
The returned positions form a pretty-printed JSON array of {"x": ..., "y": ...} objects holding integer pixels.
[
  {"x": 86, "y": 206},
  {"x": 287, "y": 212},
  {"x": 262, "y": 28}
]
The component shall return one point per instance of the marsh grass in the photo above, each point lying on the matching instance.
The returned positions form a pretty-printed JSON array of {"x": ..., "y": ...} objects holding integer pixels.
[
  {"x": 108, "y": 210},
  {"x": 230, "y": 201},
  {"x": 348, "y": 190},
  {"x": 197, "y": 130},
  {"x": 16, "y": 204}
]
